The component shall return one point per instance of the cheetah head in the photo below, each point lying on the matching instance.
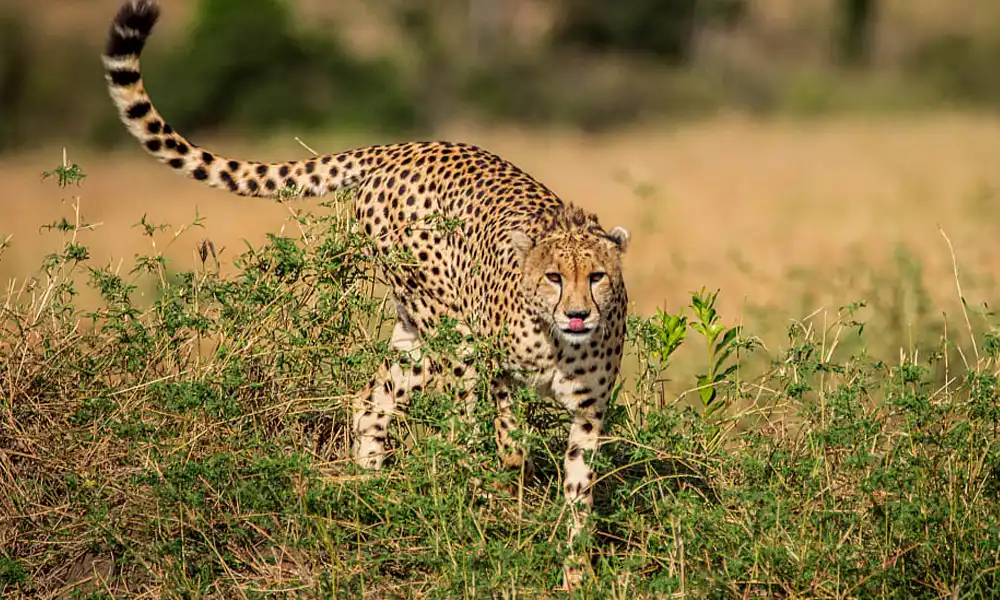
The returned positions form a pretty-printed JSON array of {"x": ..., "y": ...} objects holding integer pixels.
[{"x": 572, "y": 279}]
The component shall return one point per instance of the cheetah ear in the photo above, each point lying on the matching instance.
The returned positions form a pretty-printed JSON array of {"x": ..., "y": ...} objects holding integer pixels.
[
  {"x": 521, "y": 242},
  {"x": 620, "y": 237}
]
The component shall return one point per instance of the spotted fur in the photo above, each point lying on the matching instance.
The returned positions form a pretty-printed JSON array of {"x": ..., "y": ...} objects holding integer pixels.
[{"x": 524, "y": 268}]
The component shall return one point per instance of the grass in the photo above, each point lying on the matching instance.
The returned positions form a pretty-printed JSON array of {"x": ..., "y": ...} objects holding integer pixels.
[{"x": 191, "y": 442}]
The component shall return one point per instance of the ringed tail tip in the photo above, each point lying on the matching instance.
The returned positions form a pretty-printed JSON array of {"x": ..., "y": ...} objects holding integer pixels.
[{"x": 131, "y": 27}]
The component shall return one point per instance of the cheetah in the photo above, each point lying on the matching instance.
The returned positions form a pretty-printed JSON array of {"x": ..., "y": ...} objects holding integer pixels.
[{"x": 535, "y": 274}]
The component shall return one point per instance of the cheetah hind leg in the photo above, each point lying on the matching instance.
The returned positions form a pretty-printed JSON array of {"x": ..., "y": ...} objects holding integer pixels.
[{"x": 388, "y": 393}]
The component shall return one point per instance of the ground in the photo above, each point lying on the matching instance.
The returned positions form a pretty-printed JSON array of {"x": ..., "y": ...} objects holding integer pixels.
[{"x": 729, "y": 203}]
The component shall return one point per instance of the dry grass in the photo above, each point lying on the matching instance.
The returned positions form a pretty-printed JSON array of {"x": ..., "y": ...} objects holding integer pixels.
[{"x": 730, "y": 203}]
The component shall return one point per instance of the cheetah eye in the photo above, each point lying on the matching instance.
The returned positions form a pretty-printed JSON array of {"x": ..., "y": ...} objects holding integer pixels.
[
  {"x": 596, "y": 277},
  {"x": 553, "y": 277}
]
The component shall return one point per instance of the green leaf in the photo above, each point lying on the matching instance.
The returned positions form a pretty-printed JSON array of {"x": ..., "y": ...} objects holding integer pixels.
[
  {"x": 728, "y": 338},
  {"x": 727, "y": 372}
]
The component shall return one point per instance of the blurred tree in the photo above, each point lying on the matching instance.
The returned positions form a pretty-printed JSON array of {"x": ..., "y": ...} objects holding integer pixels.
[
  {"x": 664, "y": 29},
  {"x": 488, "y": 21},
  {"x": 439, "y": 56},
  {"x": 14, "y": 59},
  {"x": 245, "y": 63},
  {"x": 856, "y": 26}
]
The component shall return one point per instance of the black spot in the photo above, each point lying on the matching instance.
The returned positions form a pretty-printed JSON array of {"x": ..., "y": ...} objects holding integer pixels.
[
  {"x": 228, "y": 180},
  {"x": 326, "y": 159},
  {"x": 170, "y": 143},
  {"x": 119, "y": 45},
  {"x": 153, "y": 145},
  {"x": 182, "y": 148},
  {"x": 587, "y": 403},
  {"x": 138, "y": 110},
  {"x": 123, "y": 77},
  {"x": 310, "y": 167},
  {"x": 200, "y": 174},
  {"x": 283, "y": 171},
  {"x": 176, "y": 163},
  {"x": 314, "y": 179},
  {"x": 269, "y": 184},
  {"x": 167, "y": 129},
  {"x": 262, "y": 170},
  {"x": 252, "y": 185},
  {"x": 207, "y": 158},
  {"x": 233, "y": 165},
  {"x": 154, "y": 126}
]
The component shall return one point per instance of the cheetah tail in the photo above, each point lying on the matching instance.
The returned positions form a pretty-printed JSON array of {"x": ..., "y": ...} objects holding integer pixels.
[{"x": 126, "y": 39}]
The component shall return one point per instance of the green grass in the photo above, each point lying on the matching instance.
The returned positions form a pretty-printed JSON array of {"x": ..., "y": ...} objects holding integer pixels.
[{"x": 195, "y": 446}]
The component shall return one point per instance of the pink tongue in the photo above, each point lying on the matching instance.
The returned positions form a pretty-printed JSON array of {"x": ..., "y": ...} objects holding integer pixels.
[{"x": 576, "y": 324}]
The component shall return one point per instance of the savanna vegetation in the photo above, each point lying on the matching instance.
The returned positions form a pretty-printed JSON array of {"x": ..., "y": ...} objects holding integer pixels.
[{"x": 810, "y": 404}]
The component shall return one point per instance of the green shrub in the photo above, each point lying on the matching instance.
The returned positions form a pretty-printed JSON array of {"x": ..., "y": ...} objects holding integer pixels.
[{"x": 958, "y": 68}]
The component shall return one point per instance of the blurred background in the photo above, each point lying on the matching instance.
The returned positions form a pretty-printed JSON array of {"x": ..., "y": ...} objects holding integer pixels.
[{"x": 800, "y": 155}]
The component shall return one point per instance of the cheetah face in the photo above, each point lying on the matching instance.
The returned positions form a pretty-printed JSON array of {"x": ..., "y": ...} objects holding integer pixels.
[{"x": 572, "y": 280}]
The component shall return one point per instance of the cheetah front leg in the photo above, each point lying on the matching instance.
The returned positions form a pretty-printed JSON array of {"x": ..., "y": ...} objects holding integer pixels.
[
  {"x": 511, "y": 452},
  {"x": 581, "y": 447},
  {"x": 388, "y": 393},
  {"x": 587, "y": 407}
]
